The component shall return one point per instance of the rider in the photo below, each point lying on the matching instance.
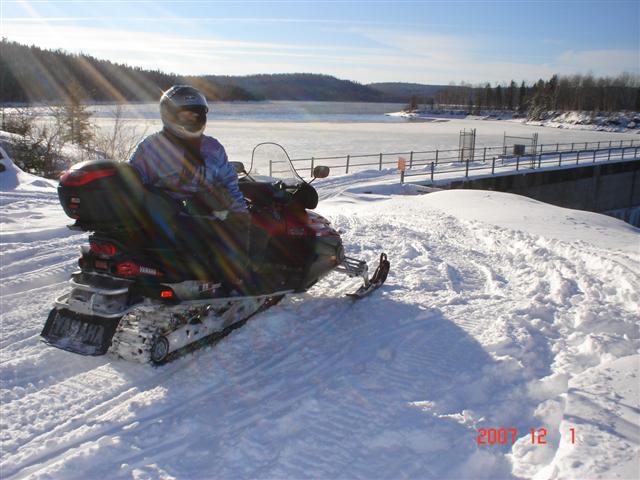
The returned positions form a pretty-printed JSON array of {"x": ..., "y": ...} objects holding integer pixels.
[{"x": 193, "y": 169}]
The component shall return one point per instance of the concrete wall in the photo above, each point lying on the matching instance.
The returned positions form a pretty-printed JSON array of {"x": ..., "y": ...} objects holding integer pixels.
[{"x": 598, "y": 187}]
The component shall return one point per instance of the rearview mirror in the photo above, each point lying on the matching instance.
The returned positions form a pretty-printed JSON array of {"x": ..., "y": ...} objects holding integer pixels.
[
  {"x": 321, "y": 172},
  {"x": 238, "y": 167}
]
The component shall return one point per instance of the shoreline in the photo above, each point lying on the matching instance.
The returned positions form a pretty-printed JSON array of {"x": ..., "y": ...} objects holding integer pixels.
[{"x": 613, "y": 122}]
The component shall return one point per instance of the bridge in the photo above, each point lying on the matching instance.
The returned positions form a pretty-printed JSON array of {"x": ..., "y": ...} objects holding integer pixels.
[{"x": 602, "y": 177}]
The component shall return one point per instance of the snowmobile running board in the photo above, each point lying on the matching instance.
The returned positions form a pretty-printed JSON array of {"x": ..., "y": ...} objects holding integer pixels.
[{"x": 358, "y": 268}]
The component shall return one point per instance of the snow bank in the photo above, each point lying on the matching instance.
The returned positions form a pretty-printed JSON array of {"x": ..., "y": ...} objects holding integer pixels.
[
  {"x": 604, "y": 122},
  {"x": 30, "y": 208},
  {"x": 600, "y": 424},
  {"x": 621, "y": 122},
  {"x": 524, "y": 214},
  {"x": 13, "y": 178}
]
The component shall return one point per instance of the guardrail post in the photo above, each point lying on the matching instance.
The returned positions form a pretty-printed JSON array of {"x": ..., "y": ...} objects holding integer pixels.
[
  {"x": 598, "y": 145},
  {"x": 380, "y": 163},
  {"x": 466, "y": 171},
  {"x": 557, "y": 147},
  {"x": 572, "y": 147},
  {"x": 610, "y": 143},
  {"x": 348, "y": 158},
  {"x": 432, "y": 169},
  {"x": 270, "y": 168},
  {"x": 517, "y": 163},
  {"x": 540, "y": 160},
  {"x": 560, "y": 162},
  {"x": 621, "y": 143},
  {"x": 436, "y": 157},
  {"x": 594, "y": 156},
  {"x": 636, "y": 154},
  {"x": 484, "y": 155},
  {"x": 623, "y": 153},
  {"x": 578, "y": 158},
  {"x": 401, "y": 176},
  {"x": 609, "y": 156},
  {"x": 586, "y": 146},
  {"x": 312, "y": 160},
  {"x": 411, "y": 159},
  {"x": 493, "y": 165}
]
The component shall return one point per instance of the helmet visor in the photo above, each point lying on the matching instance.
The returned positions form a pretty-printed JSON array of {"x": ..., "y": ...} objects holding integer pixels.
[{"x": 191, "y": 118}]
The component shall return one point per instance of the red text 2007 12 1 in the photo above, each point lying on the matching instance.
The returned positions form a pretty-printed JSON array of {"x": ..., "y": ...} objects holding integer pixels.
[{"x": 502, "y": 436}]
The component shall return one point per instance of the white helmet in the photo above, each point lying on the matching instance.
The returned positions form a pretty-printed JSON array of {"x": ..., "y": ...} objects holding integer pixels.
[{"x": 180, "y": 98}]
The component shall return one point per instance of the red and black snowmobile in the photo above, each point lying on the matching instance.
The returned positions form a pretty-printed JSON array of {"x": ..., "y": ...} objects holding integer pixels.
[{"x": 145, "y": 291}]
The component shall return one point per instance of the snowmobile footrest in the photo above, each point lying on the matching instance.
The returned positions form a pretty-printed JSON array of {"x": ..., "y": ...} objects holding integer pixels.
[{"x": 354, "y": 268}]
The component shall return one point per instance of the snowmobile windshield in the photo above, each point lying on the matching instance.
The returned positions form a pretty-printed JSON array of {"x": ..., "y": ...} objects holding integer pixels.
[{"x": 270, "y": 162}]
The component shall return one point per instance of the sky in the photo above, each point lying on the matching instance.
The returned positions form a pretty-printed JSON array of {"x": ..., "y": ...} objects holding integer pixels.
[{"x": 432, "y": 42}]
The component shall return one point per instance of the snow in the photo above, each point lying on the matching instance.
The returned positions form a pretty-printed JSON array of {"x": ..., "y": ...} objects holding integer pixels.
[
  {"x": 13, "y": 178},
  {"x": 499, "y": 312},
  {"x": 623, "y": 122},
  {"x": 325, "y": 139}
]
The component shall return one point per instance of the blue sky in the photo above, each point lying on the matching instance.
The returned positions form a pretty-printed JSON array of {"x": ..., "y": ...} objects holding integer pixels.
[{"x": 368, "y": 41}]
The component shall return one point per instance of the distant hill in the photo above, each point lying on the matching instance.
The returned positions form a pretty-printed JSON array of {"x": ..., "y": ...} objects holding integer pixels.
[
  {"x": 407, "y": 90},
  {"x": 32, "y": 74},
  {"x": 305, "y": 86}
]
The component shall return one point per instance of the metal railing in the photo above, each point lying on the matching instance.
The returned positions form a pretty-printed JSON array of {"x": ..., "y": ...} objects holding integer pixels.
[
  {"x": 420, "y": 159},
  {"x": 496, "y": 166}
]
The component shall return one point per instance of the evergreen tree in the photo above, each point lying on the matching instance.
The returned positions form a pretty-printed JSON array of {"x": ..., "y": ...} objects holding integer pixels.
[
  {"x": 76, "y": 117},
  {"x": 488, "y": 95},
  {"x": 499, "y": 100},
  {"x": 552, "y": 93},
  {"x": 511, "y": 92},
  {"x": 522, "y": 98}
]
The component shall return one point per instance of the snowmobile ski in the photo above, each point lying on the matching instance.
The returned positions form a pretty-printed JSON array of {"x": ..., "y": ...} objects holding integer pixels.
[
  {"x": 378, "y": 278},
  {"x": 353, "y": 267}
]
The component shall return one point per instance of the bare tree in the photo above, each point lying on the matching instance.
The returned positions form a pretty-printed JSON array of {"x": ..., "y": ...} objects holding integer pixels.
[{"x": 121, "y": 140}]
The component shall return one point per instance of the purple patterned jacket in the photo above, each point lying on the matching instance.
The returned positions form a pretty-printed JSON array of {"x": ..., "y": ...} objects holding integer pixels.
[{"x": 163, "y": 163}]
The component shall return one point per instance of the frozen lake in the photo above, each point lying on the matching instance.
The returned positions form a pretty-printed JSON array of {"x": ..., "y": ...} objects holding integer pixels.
[
  {"x": 275, "y": 111},
  {"x": 321, "y": 129}
]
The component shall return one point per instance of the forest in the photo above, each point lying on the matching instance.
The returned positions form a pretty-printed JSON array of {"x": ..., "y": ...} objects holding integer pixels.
[
  {"x": 29, "y": 74},
  {"x": 559, "y": 93}
]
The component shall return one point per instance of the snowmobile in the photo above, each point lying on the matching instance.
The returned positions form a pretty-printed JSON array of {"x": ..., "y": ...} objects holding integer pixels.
[{"x": 145, "y": 293}]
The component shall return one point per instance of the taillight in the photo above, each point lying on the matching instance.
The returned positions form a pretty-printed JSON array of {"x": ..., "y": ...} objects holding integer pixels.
[
  {"x": 107, "y": 249},
  {"x": 76, "y": 178}
]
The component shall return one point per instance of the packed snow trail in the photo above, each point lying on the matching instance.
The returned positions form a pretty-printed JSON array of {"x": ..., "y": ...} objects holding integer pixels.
[{"x": 484, "y": 322}]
